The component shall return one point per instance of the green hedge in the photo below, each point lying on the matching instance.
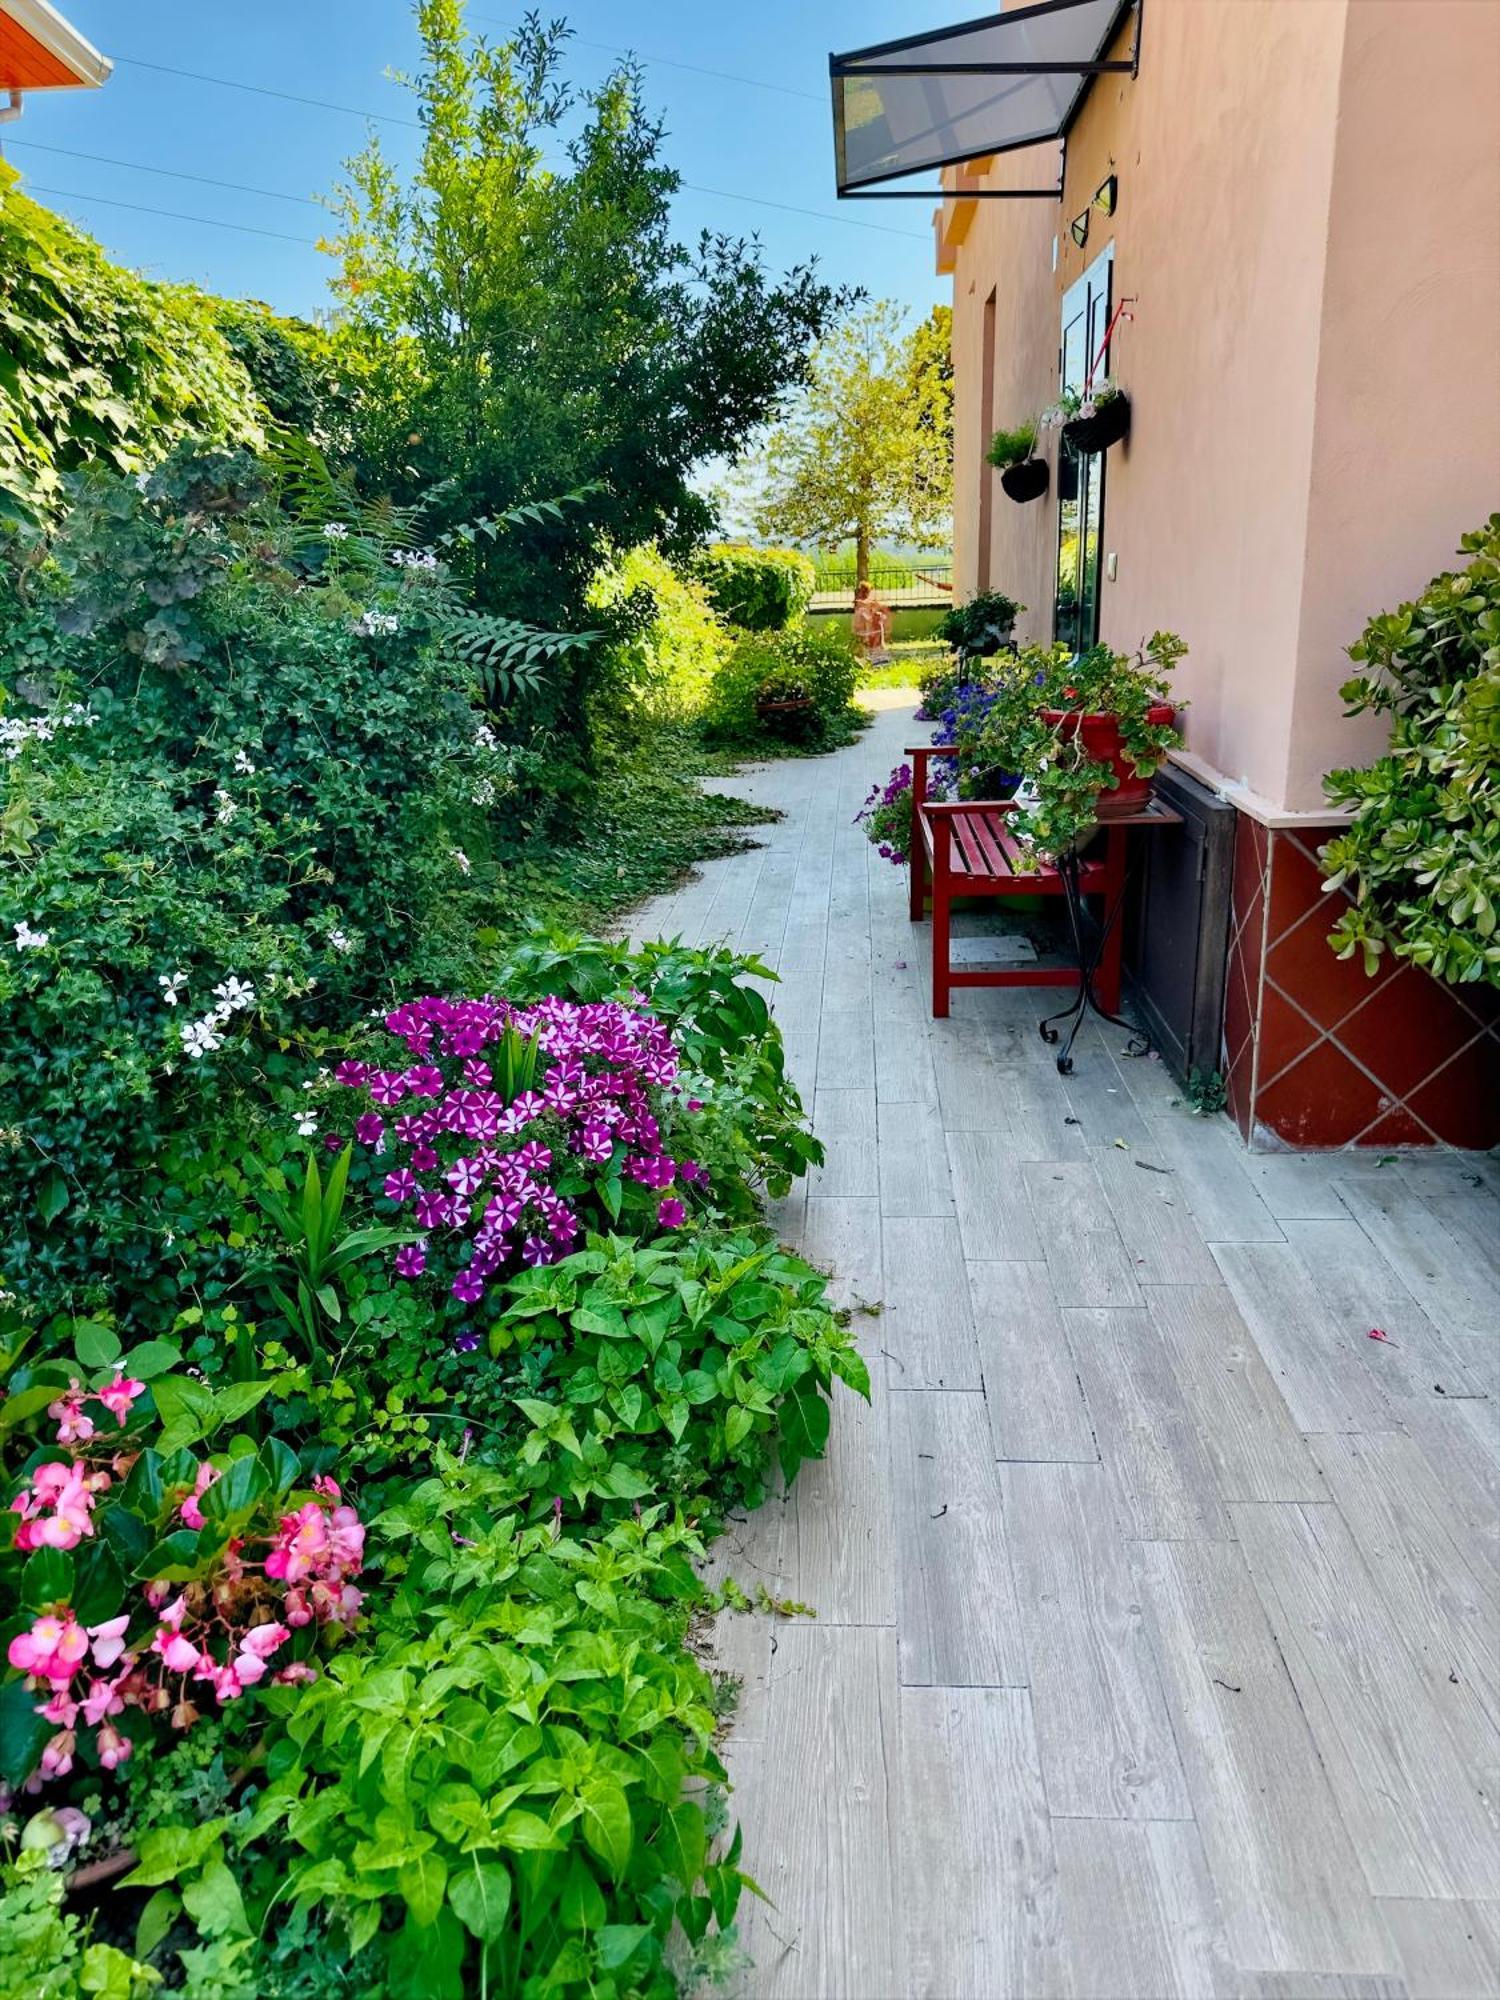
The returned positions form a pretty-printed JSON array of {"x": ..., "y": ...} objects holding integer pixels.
[
  {"x": 760, "y": 590},
  {"x": 99, "y": 364}
]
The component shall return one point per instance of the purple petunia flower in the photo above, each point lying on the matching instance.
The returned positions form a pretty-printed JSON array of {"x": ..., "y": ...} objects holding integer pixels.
[
  {"x": 401, "y": 1186},
  {"x": 537, "y": 1250},
  {"x": 411, "y": 1260},
  {"x": 468, "y": 1286},
  {"x": 670, "y": 1213},
  {"x": 369, "y": 1129},
  {"x": 691, "y": 1172},
  {"x": 465, "y": 1177},
  {"x": 465, "y": 1342}
]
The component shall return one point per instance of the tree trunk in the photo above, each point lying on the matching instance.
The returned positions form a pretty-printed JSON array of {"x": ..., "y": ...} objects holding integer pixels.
[{"x": 861, "y": 554}]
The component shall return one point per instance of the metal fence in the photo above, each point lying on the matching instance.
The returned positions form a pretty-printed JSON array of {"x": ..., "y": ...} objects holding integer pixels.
[{"x": 904, "y": 586}]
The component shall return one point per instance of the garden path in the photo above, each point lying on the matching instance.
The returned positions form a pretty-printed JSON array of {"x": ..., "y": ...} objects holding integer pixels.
[{"x": 1157, "y": 1647}]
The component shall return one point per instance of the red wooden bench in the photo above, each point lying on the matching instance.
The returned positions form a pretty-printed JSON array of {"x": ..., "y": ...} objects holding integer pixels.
[{"x": 965, "y": 848}]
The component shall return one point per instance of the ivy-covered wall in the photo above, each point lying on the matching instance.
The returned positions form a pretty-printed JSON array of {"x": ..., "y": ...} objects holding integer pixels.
[{"x": 98, "y": 363}]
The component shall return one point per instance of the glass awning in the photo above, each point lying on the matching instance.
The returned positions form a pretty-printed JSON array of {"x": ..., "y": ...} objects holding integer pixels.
[{"x": 992, "y": 86}]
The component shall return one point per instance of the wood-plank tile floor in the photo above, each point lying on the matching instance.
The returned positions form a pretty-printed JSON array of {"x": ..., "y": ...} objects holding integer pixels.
[{"x": 1158, "y": 1637}]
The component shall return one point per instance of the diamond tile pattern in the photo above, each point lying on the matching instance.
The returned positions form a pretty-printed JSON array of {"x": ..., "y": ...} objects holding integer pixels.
[{"x": 1317, "y": 1053}]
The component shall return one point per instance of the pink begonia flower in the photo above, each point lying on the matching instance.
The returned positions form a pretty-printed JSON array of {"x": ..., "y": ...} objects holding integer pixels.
[
  {"x": 118, "y": 1396},
  {"x": 180, "y": 1654},
  {"x": 293, "y": 1674},
  {"x": 114, "y": 1749},
  {"x": 323, "y": 1484},
  {"x": 59, "y": 1707},
  {"x": 102, "y": 1699},
  {"x": 72, "y": 1424},
  {"x": 190, "y": 1511},
  {"x": 57, "y": 1757},
  {"x": 262, "y": 1640},
  {"x": 109, "y": 1639},
  {"x": 53, "y": 1648}
]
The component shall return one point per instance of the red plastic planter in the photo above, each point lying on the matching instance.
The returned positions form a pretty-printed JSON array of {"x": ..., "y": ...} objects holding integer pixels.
[{"x": 1101, "y": 744}]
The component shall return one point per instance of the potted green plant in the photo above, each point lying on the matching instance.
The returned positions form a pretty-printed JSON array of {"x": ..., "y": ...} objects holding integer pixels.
[
  {"x": 981, "y": 626},
  {"x": 1092, "y": 419},
  {"x": 1022, "y": 474},
  {"x": 1086, "y": 733}
]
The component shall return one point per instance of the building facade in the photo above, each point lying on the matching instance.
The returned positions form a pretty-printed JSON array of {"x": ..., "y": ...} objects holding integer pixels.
[{"x": 1290, "y": 231}]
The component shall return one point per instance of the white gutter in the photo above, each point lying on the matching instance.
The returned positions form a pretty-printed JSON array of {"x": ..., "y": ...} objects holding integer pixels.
[
  {"x": 12, "y": 109},
  {"x": 60, "y": 39}
]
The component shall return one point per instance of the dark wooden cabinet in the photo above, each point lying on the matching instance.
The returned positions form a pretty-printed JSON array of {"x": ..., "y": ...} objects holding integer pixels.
[{"x": 1177, "y": 925}]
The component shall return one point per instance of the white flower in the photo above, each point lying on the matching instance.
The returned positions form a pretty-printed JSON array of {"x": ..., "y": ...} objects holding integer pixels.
[
  {"x": 461, "y": 861},
  {"x": 307, "y": 1125},
  {"x": 485, "y": 738},
  {"x": 200, "y": 1037},
  {"x": 171, "y": 985},
  {"x": 243, "y": 765},
  {"x": 29, "y": 940},
  {"x": 414, "y": 559},
  {"x": 234, "y": 995},
  {"x": 340, "y": 940},
  {"x": 336, "y": 531},
  {"x": 376, "y": 624},
  {"x": 224, "y": 807},
  {"x": 17, "y": 731},
  {"x": 143, "y": 482},
  {"x": 484, "y": 792}
]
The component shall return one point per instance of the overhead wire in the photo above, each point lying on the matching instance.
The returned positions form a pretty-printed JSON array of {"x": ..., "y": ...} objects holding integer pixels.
[{"x": 353, "y": 111}]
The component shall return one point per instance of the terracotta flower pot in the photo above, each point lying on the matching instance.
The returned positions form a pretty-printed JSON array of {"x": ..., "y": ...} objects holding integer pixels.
[
  {"x": 1108, "y": 424},
  {"x": 1102, "y": 745},
  {"x": 1026, "y": 481}
]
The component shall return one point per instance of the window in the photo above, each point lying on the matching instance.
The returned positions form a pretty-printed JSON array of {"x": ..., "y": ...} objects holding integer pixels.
[{"x": 1080, "y": 481}]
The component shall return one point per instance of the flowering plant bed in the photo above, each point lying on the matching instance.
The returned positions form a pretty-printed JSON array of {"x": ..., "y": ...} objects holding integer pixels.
[{"x": 544, "y": 1393}]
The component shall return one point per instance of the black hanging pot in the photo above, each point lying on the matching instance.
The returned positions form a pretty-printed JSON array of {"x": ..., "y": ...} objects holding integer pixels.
[
  {"x": 1109, "y": 423},
  {"x": 1026, "y": 481}
]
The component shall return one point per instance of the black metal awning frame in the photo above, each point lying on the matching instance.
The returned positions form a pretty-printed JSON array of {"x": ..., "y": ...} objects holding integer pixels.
[{"x": 859, "y": 62}]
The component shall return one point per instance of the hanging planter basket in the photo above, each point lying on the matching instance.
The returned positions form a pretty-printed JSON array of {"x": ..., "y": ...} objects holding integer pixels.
[
  {"x": 1026, "y": 481},
  {"x": 1109, "y": 423}
]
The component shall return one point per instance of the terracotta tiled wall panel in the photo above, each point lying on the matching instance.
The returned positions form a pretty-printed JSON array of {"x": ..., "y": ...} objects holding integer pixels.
[{"x": 1316, "y": 1053}]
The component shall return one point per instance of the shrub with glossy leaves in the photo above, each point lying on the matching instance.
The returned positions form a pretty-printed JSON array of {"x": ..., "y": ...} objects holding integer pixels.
[{"x": 1421, "y": 857}]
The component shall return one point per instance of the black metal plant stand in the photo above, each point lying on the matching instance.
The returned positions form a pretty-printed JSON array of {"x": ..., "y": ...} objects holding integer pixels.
[{"x": 1086, "y": 999}]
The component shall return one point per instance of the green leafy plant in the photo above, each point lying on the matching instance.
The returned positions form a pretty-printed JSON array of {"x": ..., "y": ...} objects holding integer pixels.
[
  {"x": 675, "y": 1370},
  {"x": 1206, "y": 1091},
  {"x": 306, "y": 1287},
  {"x": 981, "y": 626},
  {"x": 1012, "y": 447},
  {"x": 1420, "y": 861},
  {"x": 494, "y": 1793}
]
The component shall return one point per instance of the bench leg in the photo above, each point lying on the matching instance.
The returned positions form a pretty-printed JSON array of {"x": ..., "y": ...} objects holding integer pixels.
[
  {"x": 917, "y": 869},
  {"x": 942, "y": 914},
  {"x": 940, "y": 948}
]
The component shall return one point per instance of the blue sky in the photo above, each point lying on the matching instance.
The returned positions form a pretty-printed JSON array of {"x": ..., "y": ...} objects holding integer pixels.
[{"x": 725, "y": 135}]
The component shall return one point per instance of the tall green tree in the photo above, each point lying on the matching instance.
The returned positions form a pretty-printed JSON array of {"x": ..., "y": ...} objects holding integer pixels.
[
  {"x": 867, "y": 449},
  {"x": 530, "y": 325}
]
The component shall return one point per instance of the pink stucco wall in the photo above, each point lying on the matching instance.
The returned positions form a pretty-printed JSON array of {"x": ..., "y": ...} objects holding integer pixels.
[{"x": 1308, "y": 193}]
